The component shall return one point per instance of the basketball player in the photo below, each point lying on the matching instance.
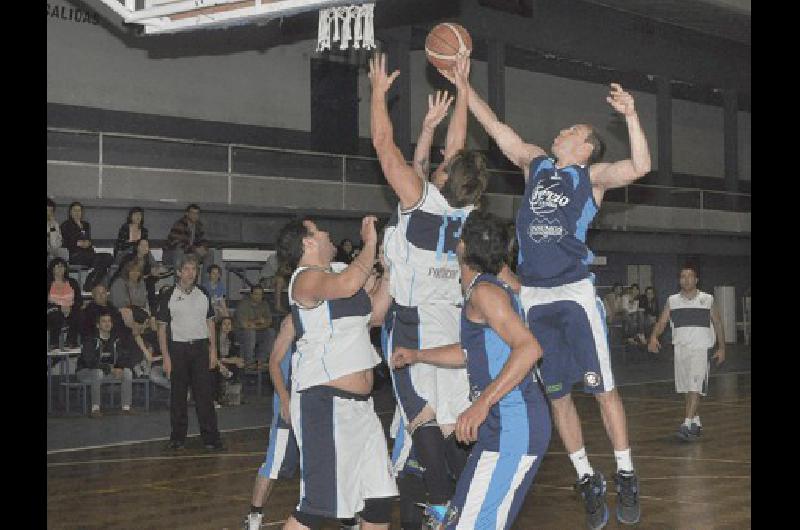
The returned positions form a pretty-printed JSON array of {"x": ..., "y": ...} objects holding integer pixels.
[
  {"x": 691, "y": 314},
  {"x": 509, "y": 416},
  {"x": 345, "y": 466},
  {"x": 282, "y": 458},
  {"x": 420, "y": 251},
  {"x": 562, "y": 194}
]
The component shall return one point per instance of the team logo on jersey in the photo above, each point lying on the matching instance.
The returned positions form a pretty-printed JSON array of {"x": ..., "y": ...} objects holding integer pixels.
[
  {"x": 544, "y": 199},
  {"x": 546, "y": 230},
  {"x": 592, "y": 379},
  {"x": 474, "y": 393}
]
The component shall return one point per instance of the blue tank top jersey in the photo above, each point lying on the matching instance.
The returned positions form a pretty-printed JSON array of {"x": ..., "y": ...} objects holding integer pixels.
[
  {"x": 552, "y": 221},
  {"x": 487, "y": 354}
]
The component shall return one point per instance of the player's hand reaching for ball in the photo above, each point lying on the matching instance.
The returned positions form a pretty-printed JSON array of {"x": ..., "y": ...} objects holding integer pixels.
[
  {"x": 368, "y": 233},
  {"x": 404, "y": 357},
  {"x": 621, "y": 101},
  {"x": 470, "y": 421},
  {"x": 458, "y": 74},
  {"x": 377, "y": 74},
  {"x": 437, "y": 109}
]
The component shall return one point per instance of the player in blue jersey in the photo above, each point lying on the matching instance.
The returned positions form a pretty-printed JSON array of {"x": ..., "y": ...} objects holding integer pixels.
[
  {"x": 420, "y": 251},
  {"x": 509, "y": 418},
  {"x": 562, "y": 194}
]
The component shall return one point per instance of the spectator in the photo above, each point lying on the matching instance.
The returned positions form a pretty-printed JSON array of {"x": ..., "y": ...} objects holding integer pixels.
[
  {"x": 188, "y": 237},
  {"x": 280, "y": 283},
  {"x": 128, "y": 291},
  {"x": 230, "y": 360},
  {"x": 64, "y": 302},
  {"x": 253, "y": 323},
  {"x": 613, "y": 301},
  {"x": 345, "y": 251},
  {"x": 216, "y": 291},
  {"x": 633, "y": 316},
  {"x": 130, "y": 234},
  {"x": 54, "y": 240},
  {"x": 148, "y": 361},
  {"x": 648, "y": 302},
  {"x": 77, "y": 235},
  {"x": 99, "y": 304},
  {"x": 101, "y": 359},
  {"x": 152, "y": 271},
  {"x": 190, "y": 353}
]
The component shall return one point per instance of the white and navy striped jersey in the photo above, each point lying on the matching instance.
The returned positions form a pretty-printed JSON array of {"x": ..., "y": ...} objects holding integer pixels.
[
  {"x": 690, "y": 320},
  {"x": 332, "y": 338},
  {"x": 420, "y": 249}
]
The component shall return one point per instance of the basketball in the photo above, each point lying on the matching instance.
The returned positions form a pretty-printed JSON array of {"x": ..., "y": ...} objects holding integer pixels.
[{"x": 444, "y": 41}]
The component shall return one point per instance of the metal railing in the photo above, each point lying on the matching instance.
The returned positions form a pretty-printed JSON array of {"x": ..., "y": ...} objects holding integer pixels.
[{"x": 105, "y": 150}]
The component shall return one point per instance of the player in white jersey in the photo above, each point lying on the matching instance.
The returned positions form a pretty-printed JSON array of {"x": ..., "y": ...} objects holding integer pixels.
[
  {"x": 419, "y": 248},
  {"x": 344, "y": 459},
  {"x": 691, "y": 314}
]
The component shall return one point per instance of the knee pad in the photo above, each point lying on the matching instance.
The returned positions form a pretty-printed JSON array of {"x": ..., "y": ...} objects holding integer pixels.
[
  {"x": 377, "y": 511},
  {"x": 314, "y": 522}
]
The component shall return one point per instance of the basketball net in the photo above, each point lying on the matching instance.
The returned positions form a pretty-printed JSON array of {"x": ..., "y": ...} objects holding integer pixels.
[{"x": 344, "y": 24}]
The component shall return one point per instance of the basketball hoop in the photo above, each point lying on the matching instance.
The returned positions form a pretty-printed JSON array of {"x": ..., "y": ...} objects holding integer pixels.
[{"x": 344, "y": 24}]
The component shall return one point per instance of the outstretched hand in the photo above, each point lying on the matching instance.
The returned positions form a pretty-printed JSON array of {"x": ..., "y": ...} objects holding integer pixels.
[
  {"x": 621, "y": 101},
  {"x": 377, "y": 74},
  {"x": 438, "y": 104},
  {"x": 459, "y": 73},
  {"x": 368, "y": 233}
]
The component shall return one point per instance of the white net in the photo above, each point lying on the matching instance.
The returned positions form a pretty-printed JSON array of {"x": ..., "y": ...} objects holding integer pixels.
[{"x": 345, "y": 24}]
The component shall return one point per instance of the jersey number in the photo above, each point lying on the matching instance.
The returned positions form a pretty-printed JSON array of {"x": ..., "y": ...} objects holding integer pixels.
[{"x": 449, "y": 234}]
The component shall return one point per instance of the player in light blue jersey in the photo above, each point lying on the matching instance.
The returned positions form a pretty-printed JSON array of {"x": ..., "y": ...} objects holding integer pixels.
[{"x": 562, "y": 194}]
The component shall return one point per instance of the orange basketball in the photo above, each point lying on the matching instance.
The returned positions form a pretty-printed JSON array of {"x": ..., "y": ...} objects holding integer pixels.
[{"x": 444, "y": 41}]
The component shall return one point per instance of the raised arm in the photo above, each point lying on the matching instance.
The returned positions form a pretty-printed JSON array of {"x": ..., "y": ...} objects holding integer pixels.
[
  {"x": 437, "y": 110},
  {"x": 605, "y": 176},
  {"x": 279, "y": 349},
  {"x": 653, "y": 344},
  {"x": 517, "y": 151},
  {"x": 401, "y": 177},
  {"x": 492, "y": 303},
  {"x": 313, "y": 286},
  {"x": 457, "y": 129}
]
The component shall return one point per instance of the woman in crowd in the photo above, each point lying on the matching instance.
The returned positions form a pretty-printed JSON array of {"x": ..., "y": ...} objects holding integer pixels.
[
  {"x": 216, "y": 291},
  {"x": 130, "y": 234},
  {"x": 128, "y": 291},
  {"x": 54, "y": 240},
  {"x": 77, "y": 235},
  {"x": 64, "y": 302},
  {"x": 152, "y": 271},
  {"x": 345, "y": 252}
]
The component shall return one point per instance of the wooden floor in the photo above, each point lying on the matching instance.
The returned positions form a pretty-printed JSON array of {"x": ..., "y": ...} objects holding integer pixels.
[{"x": 701, "y": 485}]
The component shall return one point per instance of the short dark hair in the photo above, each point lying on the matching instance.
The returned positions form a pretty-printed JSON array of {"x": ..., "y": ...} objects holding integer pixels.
[
  {"x": 104, "y": 312},
  {"x": 256, "y": 286},
  {"x": 689, "y": 267},
  {"x": 50, "y": 203},
  {"x": 192, "y": 206},
  {"x": 467, "y": 178},
  {"x": 485, "y": 242},
  {"x": 53, "y": 263},
  {"x": 212, "y": 267},
  {"x": 290, "y": 242},
  {"x": 598, "y": 146},
  {"x": 71, "y": 205},
  {"x": 133, "y": 211}
]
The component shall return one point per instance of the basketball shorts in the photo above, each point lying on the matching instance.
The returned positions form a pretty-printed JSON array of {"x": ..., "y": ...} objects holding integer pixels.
[
  {"x": 446, "y": 390},
  {"x": 691, "y": 370},
  {"x": 569, "y": 322},
  {"x": 283, "y": 455},
  {"x": 344, "y": 459}
]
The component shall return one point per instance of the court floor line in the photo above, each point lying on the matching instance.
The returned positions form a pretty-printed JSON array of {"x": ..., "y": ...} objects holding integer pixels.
[
  {"x": 645, "y": 497},
  {"x": 655, "y": 457}
]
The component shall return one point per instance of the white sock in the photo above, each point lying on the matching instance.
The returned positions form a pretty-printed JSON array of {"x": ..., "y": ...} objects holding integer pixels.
[
  {"x": 95, "y": 408},
  {"x": 126, "y": 407},
  {"x": 581, "y": 463},
  {"x": 696, "y": 419},
  {"x": 687, "y": 422},
  {"x": 624, "y": 462}
]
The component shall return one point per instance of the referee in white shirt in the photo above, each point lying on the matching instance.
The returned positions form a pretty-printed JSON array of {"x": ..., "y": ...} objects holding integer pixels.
[{"x": 186, "y": 336}]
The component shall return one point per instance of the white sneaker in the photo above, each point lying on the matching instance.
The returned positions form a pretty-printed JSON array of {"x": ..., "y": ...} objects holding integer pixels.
[
  {"x": 126, "y": 408},
  {"x": 217, "y": 405},
  {"x": 253, "y": 521}
]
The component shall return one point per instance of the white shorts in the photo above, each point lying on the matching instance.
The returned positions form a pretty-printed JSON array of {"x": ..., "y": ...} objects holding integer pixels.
[
  {"x": 344, "y": 459},
  {"x": 691, "y": 370},
  {"x": 446, "y": 390}
]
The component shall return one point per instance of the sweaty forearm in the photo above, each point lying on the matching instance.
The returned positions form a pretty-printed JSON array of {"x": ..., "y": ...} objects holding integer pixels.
[
  {"x": 519, "y": 365},
  {"x": 422, "y": 152}
]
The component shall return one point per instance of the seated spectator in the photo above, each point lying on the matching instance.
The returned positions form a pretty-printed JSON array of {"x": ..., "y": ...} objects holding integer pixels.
[
  {"x": 188, "y": 237},
  {"x": 649, "y": 304},
  {"x": 102, "y": 359},
  {"x": 253, "y": 326},
  {"x": 216, "y": 291},
  {"x": 632, "y": 323},
  {"x": 64, "y": 302},
  {"x": 54, "y": 240},
  {"x": 152, "y": 271},
  {"x": 149, "y": 361},
  {"x": 77, "y": 235},
  {"x": 345, "y": 251},
  {"x": 128, "y": 291},
  {"x": 99, "y": 304},
  {"x": 130, "y": 234},
  {"x": 229, "y": 361},
  {"x": 615, "y": 312}
]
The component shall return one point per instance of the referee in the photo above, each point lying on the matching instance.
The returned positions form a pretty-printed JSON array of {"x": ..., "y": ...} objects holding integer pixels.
[{"x": 189, "y": 355}]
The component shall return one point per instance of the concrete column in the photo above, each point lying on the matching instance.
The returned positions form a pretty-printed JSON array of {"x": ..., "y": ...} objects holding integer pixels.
[
  {"x": 730, "y": 104},
  {"x": 664, "y": 119}
]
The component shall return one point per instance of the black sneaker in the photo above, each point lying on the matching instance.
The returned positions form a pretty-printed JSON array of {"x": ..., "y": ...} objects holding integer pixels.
[
  {"x": 628, "y": 508},
  {"x": 216, "y": 446},
  {"x": 593, "y": 491},
  {"x": 175, "y": 445}
]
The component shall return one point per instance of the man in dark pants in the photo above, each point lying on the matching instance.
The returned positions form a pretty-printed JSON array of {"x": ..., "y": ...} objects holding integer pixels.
[{"x": 189, "y": 355}]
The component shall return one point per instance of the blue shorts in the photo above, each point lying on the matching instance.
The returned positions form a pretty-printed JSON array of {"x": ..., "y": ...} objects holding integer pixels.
[
  {"x": 283, "y": 455},
  {"x": 569, "y": 322}
]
